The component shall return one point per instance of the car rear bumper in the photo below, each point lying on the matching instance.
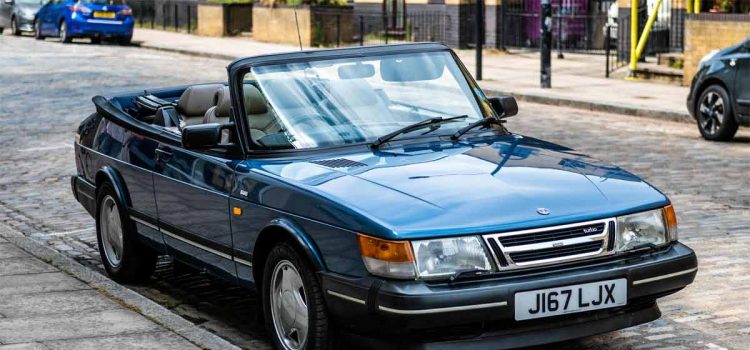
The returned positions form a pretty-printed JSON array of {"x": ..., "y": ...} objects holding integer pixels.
[
  {"x": 482, "y": 312},
  {"x": 90, "y": 27}
]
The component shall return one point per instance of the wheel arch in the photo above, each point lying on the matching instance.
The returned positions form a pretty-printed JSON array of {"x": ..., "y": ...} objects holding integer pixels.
[
  {"x": 280, "y": 230},
  {"x": 112, "y": 176}
]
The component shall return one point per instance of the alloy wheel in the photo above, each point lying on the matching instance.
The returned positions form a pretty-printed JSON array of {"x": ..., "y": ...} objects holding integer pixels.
[
  {"x": 111, "y": 231},
  {"x": 289, "y": 306},
  {"x": 64, "y": 33},
  {"x": 711, "y": 112}
]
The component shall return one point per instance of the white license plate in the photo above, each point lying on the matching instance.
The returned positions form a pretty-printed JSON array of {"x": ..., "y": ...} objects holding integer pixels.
[{"x": 571, "y": 299}]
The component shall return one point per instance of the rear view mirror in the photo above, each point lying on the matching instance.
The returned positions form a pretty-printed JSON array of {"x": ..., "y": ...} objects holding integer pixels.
[
  {"x": 412, "y": 68},
  {"x": 201, "y": 136},
  {"x": 504, "y": 106},
  {"x": 356, "y": 71}
]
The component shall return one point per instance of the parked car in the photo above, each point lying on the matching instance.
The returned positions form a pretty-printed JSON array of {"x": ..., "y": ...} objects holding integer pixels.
[
  {"x": 374, "y": 194},
  {"x": 94, "y": 19},
  {"x": 18, "y": 15},
  {"x": 719, "y": 97}
]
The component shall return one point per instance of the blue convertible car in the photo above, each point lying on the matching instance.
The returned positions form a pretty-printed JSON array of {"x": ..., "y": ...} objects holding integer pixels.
[
  {"x": 374, "y": 195},
  {"x": 94, "y": 19}
]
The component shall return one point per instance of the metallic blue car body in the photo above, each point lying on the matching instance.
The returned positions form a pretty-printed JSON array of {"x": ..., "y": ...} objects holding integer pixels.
[
  {"x": 487, "y": 182},
  {"x": 79, "y": 24}
]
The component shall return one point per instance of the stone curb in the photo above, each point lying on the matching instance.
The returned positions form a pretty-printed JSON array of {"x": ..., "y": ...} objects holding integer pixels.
[
  {"x": 118, "y": 292},
  {"x": 533, "y": 98}
]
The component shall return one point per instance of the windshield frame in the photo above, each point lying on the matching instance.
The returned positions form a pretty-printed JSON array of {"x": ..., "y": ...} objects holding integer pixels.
[{"x": 239, "y": 68}]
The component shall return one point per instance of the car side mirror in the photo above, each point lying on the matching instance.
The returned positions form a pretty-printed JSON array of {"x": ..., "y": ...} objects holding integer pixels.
[
  {"x": 201, "y": 136},
  {"x": 504, "y": 106}
]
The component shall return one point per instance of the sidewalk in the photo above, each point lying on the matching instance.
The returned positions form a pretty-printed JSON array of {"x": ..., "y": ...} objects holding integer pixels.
[
  {"x": 577, "y": 80},
  {"x": 48, "y": 301}
]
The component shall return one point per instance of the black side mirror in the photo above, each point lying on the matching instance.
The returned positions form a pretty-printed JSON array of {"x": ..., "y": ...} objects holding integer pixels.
[
  {"x": 504, "y": 106},
  {"x": 201, "y": 136}
]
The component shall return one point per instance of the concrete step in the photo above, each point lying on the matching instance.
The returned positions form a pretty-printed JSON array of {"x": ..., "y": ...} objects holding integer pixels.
[{"x": 672, "y": 59}]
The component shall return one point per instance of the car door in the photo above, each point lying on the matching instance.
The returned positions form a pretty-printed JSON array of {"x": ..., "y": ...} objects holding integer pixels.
[
  {"x": 741, "y": 81},
  {"x": 45, "y": 17},
  {"x": 192, "y": 199}
]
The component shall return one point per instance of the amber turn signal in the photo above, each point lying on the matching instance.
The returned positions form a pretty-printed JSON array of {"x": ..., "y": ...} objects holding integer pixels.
[
  {"x": 380, "y": 249},
  {"x": 671, "y": 219},
  {"x": 237, "y": 211}
]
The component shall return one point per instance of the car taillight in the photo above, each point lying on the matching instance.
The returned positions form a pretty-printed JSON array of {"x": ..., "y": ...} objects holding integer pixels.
[
  {"x": 81, "y": 9},
  {"x": 126, "y": 12}
]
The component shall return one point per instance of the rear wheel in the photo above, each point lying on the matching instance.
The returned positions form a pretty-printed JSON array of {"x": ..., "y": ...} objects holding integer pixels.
[
  {"x": 96, "y": 40},
  {"x": 714, "y": 114},
  {"x": 1, "y": 30},
  {"x": 38, "y": 30},
  {"x": 293, "y": 304},
  {"x": 125, "y": 41},
  {"x": 64, "y": 35},
  {"x": 125, "y": 258},
  {"x": 14, "y": 27}
]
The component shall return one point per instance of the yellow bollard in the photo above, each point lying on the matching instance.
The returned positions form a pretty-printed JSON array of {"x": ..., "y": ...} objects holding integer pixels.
[
  {"x": 689, "y": 8},
  {"x": 697, "y": 6},
  {"x": 647, "y": 31},
  {"x": 634, "y": 33}
]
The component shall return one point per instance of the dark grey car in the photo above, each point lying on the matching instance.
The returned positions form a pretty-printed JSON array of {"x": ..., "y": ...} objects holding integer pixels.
[
  {"x": 719, "y": 98},
  {"x": 18, "y": 15}
]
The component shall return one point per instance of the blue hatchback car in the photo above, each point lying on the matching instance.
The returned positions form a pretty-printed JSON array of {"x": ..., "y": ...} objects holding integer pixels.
[
  {"x": 94, "y": 19},
  {"x": 375, "y": 196}
]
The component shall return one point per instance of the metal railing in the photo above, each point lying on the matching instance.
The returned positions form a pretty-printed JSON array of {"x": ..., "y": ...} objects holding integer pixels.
[
  {"x": 347, "y": 28},
  {"x": 165, "y": 15}
]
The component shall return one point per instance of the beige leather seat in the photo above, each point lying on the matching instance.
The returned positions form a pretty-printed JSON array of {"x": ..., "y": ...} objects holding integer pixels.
[
  {"x": 194, "y": 102},
  {"x": 260, "y": 119},
  {"x": 220, "y": 112}
]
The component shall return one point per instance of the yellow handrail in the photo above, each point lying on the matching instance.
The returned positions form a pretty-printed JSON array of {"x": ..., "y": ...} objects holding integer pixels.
[
  {"x": 647, "y": 31},
  {"x": 634, "y": 33}
]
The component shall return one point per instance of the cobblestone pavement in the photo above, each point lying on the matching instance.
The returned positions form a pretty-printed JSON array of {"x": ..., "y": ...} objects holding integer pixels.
[{"x": 45, "y": 90}]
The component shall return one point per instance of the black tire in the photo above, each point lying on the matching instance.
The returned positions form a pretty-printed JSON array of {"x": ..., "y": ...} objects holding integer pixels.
[
  {"x": 96, "y": 40},
  {"x": 14, "y": 27},
  {"x": 126, "y": 41},
  {"x": 64, "y": 36},
  {"x": 319, "y": 329},
  {"x": 38, "y": 30},
  {"x": 137, "y": 261},
  {"x": 1, "y": 30},
  {"x": 714, "y": 114}
]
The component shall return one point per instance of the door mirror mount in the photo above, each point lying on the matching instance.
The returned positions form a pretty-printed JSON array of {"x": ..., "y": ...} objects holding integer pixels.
[
  {"x": 203, "y": 136},
  {"x": 504, "y": 106}
]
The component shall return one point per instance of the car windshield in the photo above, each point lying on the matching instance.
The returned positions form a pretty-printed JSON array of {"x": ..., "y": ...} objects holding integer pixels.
[{"x": 353, "y": 100}]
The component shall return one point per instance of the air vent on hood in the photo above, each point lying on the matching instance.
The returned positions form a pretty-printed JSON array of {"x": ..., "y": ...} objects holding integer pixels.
[{"x": 338, "y": 163}]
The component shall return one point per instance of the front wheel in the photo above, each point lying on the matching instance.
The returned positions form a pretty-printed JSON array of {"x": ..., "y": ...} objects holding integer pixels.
[
  {"x": 124, "y": 256},
  {"x": 64, "y": 35},
  {"x": 714, "y": 114},
  {"x": 293, "y": 304},
  {"x": 38, "y": 30}
]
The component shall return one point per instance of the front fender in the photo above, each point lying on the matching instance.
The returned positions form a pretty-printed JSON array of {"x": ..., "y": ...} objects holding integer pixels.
[{"x": 301, "y": 238}]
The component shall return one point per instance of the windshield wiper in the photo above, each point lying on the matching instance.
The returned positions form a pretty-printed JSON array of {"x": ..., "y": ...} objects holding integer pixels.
[
  {"x": 418, "y": 125},
  {"x": 481, "y": 122}
]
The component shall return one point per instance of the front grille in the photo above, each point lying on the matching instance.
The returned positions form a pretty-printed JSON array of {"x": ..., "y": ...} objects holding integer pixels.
[
  {"x": 550, "y": 245},
  {"x": 551, "y": 253}
]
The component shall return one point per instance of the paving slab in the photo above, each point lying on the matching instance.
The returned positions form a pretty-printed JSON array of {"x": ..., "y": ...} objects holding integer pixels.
[
  {"x": 24, "y": 346},
  {"x": 49, "y": 303},
  {"x": 9, "y": 251},
  {"x": 72, "y": 326},
  {"x": 22, "y": 266},
  {"x": 37, "y": 283},
  {"x": 155, "y": 340}
]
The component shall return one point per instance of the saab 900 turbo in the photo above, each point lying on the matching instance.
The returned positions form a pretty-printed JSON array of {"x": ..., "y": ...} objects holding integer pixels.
[{"x": 375, "y": 195}]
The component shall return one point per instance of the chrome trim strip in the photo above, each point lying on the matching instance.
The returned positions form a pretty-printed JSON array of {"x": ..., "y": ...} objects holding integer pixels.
[
  {"x": 185, "y": 240},
  {"x": 662, "y": 277},
  {"x": 243, "y": 262},
  {"x": 603, "y": 237},
  {"x": 99, "y": 21},
  {"x": 442, "y": 309},
  {"x": 144, "y": 223},
  {"x": 346, "y": 297}
]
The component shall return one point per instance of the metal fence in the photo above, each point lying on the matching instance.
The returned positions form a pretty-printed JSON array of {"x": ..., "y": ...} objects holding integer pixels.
[
  {"x": 345, "y": 28},
  {"x": 165, "y": 15}
]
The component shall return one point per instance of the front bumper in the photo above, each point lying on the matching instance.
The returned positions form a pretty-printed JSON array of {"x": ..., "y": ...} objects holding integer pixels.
[
  {"x": 25, "y": 24},
  {"x": 480, "y": 313}
]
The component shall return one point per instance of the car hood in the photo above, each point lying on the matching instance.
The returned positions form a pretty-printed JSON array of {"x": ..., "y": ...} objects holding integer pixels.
[{"x": 490, "y": 184}]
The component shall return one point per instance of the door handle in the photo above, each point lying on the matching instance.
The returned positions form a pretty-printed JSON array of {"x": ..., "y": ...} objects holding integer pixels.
[{"x": 163, "y": 155}]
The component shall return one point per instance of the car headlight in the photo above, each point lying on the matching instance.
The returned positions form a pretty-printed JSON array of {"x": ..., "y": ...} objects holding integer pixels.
[
  {"x": 706, "y": 58},
  {"x": 448, "y": 256},
  {"x": 649, "y": 228}
]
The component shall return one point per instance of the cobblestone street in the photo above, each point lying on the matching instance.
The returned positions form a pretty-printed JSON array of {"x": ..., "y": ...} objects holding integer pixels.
[{"x": 46, "y": 90}]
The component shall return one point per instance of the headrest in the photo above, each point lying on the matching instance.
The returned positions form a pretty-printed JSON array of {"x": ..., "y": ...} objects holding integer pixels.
[
  {"x": 223, "y": 102},
  {"x": 255, "y": 103},
  {"x": 195, "y": 100}
]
